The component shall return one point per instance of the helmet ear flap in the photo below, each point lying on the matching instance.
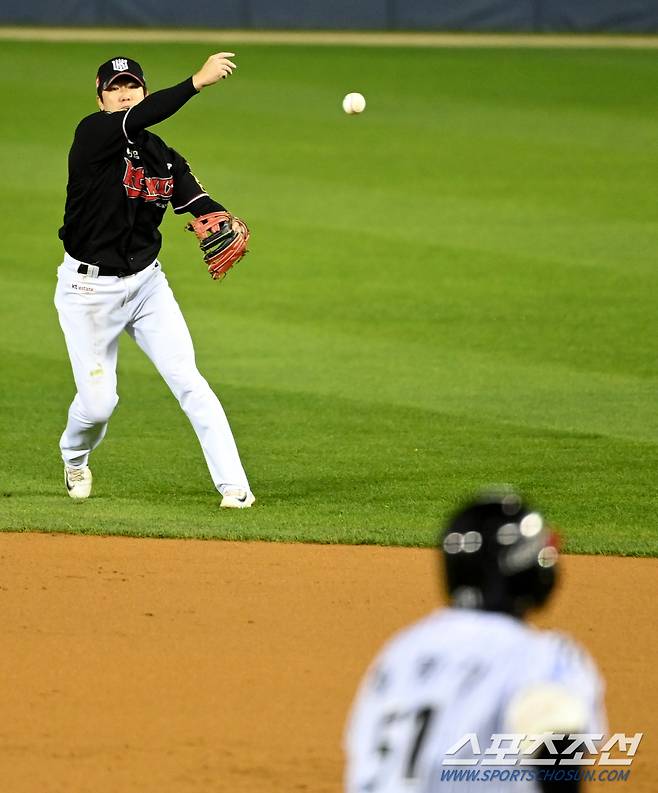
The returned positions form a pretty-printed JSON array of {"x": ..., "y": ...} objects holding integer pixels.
[{"x": 499, "y": 555}]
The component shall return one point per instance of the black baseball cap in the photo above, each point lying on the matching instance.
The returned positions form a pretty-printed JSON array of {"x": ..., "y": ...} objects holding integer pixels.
[{"x": 118, "y": 67}]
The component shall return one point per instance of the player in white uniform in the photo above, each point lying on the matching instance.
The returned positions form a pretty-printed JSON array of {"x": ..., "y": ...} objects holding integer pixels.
[{"x": 443, "y": 687}]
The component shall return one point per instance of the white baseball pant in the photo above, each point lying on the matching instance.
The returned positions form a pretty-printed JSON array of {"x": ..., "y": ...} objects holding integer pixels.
[{"x": 93, "y": 311}]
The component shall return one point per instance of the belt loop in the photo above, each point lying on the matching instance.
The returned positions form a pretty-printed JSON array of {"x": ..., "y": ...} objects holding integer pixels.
[{"x": 90, "y": 270}]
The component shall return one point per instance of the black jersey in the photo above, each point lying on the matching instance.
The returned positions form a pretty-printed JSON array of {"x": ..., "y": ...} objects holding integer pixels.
[{"x": 121, "y": 180}]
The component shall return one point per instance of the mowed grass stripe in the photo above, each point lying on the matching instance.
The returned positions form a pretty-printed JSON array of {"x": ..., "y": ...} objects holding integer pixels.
[
  {"x": 372, "y": 473},
  {"x": 438, "y": 373}
]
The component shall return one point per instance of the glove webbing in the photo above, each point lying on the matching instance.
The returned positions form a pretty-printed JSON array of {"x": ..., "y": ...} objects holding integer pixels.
[{"x": 218, "y": 237}]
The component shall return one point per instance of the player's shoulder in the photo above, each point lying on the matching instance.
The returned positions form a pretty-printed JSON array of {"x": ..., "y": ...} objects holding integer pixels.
[
  {"x": 93, "y": 119},
  {"x": 101, "y": 117},
  {"x": 393, "y": 656},
  {"x": 562, "y": 644},
  {"x": 98, "y": 120},
  {"x": 406, "y": 643},
  {"x": 564, "y": 658},
  {"x": 556, "y": 678},
  {"x": 458, "y": 626},
  {"x": 412, "y": 632}
]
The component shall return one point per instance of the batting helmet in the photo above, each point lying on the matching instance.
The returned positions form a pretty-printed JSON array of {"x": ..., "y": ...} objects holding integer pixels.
[{"x": 499, "y": 555}]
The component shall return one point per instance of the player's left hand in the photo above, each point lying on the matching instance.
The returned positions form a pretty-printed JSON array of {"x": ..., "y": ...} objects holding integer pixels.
[{"x": 223, "y": 240}]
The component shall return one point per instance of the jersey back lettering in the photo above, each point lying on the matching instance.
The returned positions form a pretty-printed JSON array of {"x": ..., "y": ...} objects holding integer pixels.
[{"x": 453, "y": 675}]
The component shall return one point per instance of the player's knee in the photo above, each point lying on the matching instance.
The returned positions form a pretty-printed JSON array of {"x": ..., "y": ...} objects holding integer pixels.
[
  {"x": 195, "y": 395},
  {"x": 189, "y": 385},
  {"x": 99, "y": 410}
]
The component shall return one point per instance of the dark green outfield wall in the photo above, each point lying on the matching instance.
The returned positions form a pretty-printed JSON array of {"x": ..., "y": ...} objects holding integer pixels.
[{"x": 621, "y": 16}]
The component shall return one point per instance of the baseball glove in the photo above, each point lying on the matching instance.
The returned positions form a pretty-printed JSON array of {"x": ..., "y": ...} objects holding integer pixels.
[{"x": 222, "y": 239}]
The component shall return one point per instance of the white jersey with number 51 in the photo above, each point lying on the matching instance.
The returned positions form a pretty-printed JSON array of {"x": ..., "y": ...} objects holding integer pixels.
[{"x": 462, "y": 672}]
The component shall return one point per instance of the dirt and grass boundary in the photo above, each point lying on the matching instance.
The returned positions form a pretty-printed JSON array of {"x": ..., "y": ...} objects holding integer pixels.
[{"x": 335, "y": 38}]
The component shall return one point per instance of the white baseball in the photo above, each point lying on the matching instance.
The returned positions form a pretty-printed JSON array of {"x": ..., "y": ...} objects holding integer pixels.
[{"x": 354, "y": 103}]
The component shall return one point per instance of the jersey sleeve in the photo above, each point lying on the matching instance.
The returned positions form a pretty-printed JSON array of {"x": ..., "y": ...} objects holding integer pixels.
[
  {"x": 189, "y": 193},
  {"x": 565, "y": 686},
  {"x": 102, "y": 135},
  {"x": 157, "y": 107}
]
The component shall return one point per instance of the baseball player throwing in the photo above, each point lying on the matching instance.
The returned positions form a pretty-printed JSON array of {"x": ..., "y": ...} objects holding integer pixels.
[
  {"x": 433, "y": 702},
  {"x": 122, "y": 178}
]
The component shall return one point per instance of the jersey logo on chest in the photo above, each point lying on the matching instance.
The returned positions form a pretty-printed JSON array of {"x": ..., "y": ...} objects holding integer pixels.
[{"x": 148, "y": 188}]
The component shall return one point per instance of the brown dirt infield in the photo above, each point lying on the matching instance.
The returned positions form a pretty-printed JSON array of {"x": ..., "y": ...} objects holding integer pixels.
[{"x": 165, "y": 666}]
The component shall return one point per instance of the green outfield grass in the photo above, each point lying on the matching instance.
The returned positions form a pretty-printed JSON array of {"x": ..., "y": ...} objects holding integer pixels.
[{"x": 458, "y": 287}]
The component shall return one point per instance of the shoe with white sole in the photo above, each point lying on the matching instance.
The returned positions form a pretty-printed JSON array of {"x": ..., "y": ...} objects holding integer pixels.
[
  {"x": 78, "y": 481},
  {"x": 237, "y": 499}
]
